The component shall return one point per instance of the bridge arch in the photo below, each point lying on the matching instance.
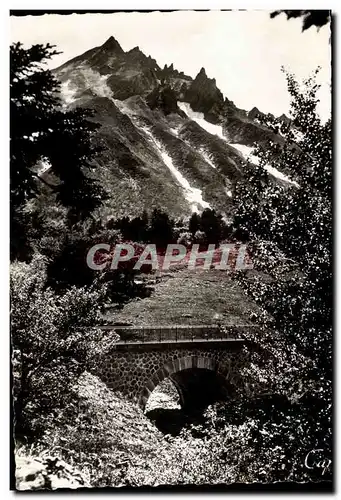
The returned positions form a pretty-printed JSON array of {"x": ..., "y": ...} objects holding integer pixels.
[
  {"x": 135, "y": 369},
  {"x": 173, "y": 367}
]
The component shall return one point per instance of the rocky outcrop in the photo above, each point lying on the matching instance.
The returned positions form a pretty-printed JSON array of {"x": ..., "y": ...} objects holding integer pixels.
[
  {"x": 112, "y": 46},
  {"x": 164, "y": 98},
  {"x": 254, "y": 113},
  {"x": 204, "y": 95},
  {"x": 246, "y": 132},
  {"x": 169, "y": 73}
]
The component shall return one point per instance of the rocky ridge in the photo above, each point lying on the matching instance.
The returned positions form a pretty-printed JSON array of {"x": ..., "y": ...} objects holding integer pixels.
[{"x": 168, "y": 139}]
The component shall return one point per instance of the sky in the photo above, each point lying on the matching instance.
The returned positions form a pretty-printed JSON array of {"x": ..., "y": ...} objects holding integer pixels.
[{"x": 242, "y": 50}]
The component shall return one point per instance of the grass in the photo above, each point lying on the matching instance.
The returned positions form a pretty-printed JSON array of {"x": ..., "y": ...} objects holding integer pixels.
[{"x": 190, "y": 297}]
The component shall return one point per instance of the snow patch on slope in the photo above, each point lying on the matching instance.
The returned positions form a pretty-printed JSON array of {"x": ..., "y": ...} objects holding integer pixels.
[
  {"x": 67, "y": 93},
  {"x": 123, "y": 107},
  {"x": 206, "y": 158},
  {"x": 199, "y": 118},
  {"x": 192, "y": 195},
  {"x": 96, "y": 82},
  {"x": 174, "y": 131},
  {"x": 87, "y": 78},
  {"x": 247, "y": 153}
]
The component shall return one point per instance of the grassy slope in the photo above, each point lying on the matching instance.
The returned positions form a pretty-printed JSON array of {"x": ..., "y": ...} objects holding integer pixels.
[{"x": 187, "y": 297}]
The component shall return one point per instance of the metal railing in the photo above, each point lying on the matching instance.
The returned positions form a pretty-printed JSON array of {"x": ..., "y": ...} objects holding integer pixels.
[{"x": 177, "y": 333}]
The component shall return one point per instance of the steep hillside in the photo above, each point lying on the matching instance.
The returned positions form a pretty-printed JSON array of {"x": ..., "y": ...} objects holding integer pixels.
[
  {"x": 166, "y": 137},
  {"x": 104, "y": 440}
]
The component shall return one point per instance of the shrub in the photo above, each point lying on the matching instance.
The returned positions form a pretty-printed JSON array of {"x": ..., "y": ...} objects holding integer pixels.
[{"x": 51, "y": 338}]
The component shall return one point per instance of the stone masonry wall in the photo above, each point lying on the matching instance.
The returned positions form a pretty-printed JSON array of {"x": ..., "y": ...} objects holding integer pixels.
[{"x": 136, "y": 371}]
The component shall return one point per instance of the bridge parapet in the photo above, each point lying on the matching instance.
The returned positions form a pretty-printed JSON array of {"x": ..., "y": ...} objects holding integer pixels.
[{"x": 178, "y": 333}]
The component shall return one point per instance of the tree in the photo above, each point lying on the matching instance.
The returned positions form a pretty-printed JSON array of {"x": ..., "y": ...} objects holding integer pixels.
[
  {"x": 161, "y": 228},
  {"x": 42, "y": 131},
  {"x": 32, "y": 97},
  {"x": 295, "y": 219},
  {"x": 138, "y": 228},
  {"x": 194, "y": 223},
  {"x": 317, "y": 18},
  {"x": 289, "y": 227},
  {"x": 211, "y": 225},
  {"x": 199, "y": 237},
  {"x": 52, "y": 336}
]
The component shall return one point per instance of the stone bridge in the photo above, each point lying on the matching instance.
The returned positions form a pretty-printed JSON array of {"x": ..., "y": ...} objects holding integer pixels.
[{"x": 205, "y": 363}]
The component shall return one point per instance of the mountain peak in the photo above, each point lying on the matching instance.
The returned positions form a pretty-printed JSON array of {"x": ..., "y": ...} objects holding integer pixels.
[
  {"x": 202, "y": 76},
  {"x": 136, "y": 54},
  {"x": 112, "y": 45},
  {"x": 169, "y": 68},
  {"x": 284, "y": 118},
  {"x": 254, "y": 113}
]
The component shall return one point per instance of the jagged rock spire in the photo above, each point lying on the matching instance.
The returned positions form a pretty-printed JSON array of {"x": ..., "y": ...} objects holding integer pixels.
[{"x": 112, "y": 45}]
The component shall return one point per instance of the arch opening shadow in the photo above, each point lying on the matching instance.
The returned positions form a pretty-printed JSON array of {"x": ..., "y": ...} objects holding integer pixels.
[
  {"x": 198, "y": 380},
  {"x": 198, "y": 384},
  {"x": 164, "y": 408},
  {"x": 199, "y": 388}
]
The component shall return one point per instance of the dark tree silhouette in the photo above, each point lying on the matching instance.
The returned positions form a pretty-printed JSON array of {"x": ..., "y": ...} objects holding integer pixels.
[
  {"x": 310, "y": 18},
  {"x": 41, "y": 130},
  {"x": 194, "y": 223},
  {"x": 212, "y": 225},
  {"x": 161, "y": 228}
]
